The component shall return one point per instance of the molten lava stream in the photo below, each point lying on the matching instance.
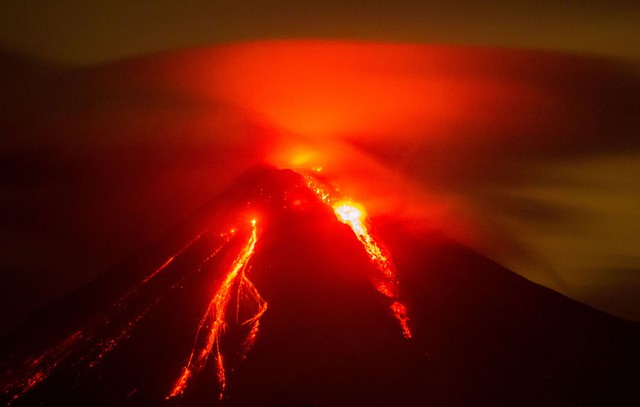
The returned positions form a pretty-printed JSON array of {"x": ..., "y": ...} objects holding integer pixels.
[
  {"x": 215, "y": 319},
  {"x": 88, "y": 346},
  {"x": 354, "y": 215}
]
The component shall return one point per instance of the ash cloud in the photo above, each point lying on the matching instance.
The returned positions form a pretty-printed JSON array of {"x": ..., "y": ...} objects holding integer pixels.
[{"x": 529, "y": 157}]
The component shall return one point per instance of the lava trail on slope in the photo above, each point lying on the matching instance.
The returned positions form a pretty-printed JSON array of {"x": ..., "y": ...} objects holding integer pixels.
[{"x": 282, "y": 293}]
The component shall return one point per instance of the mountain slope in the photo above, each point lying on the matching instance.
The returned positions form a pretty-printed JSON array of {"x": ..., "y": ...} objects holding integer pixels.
[{"x": 481, "y": 335}]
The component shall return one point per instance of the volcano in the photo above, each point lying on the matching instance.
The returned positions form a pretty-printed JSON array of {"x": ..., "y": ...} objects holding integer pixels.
[{"x": 270, "y": 296}]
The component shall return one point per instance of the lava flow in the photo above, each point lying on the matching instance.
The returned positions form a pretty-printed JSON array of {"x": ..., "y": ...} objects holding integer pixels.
[
  {"x": 235, "y": 303},
  {"x": 214, "y": 319},
  {"x": 354, "y": 215},
  {"x": 87, "y": 346}
]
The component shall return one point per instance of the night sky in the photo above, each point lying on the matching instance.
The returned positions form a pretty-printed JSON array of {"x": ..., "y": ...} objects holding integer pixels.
[
  {"x": 561, "y": 213},
  {"x": 99, "y": 31}
]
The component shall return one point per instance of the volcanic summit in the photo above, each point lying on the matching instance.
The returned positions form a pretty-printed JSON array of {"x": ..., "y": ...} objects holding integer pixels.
[{"x": 283, "y": 292}]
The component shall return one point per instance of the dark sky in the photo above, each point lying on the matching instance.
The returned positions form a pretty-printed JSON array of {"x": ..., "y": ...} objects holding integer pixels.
[{"x": 77, "y": 31}]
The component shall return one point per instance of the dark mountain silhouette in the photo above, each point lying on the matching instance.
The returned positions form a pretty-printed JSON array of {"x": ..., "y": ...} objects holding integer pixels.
[
  {"x": 482, "y": 335},
  {"x": 96, "y": 162}
]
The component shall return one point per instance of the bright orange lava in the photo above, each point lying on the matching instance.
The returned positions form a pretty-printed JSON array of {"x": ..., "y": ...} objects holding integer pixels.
[
  {"x": 89, "y": 345},
  {"x": 98, "y": 337},
  {"x": 214, "y": 319},
  {"x": 354, "y": 215}
]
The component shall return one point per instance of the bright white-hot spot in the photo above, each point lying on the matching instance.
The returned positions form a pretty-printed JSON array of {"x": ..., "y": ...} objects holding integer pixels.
[
  {"x": 233, "y": 283},
  {"x": 353, "y": 214},
  {"x": 349, "y": 213}
]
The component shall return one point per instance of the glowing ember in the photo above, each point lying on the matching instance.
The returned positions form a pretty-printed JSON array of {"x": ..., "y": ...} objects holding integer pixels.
[
  {"x": 349, "y": 213},
  {"x": 37, "y": 370},
  {"x": 235, "y": 303},
  {"x": 214, "y": 319},
  {"x": 354, "y": 215},
  {"x": 88, "y": 346}
]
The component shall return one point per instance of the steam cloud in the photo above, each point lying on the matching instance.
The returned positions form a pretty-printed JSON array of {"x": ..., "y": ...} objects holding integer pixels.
[{"x": 530, "y": 158}]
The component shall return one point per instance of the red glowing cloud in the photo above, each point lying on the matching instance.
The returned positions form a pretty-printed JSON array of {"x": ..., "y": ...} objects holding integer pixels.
[
  {"x": 464, "y": 137},
  {"x": 488, "y": 146}
]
